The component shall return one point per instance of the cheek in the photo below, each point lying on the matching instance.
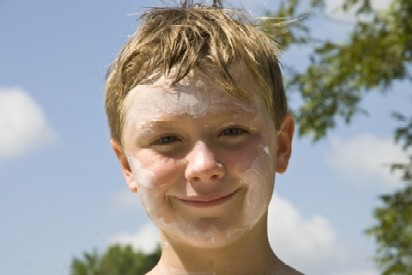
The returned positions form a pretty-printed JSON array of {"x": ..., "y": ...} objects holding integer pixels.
[
  {"x": 257, "y": 176},
  {"x": 255, "y": 160},
  {"x": 153, "y": 179},
  {"x": 152, "y": 171},
  {"x": 144, "y": 177}
]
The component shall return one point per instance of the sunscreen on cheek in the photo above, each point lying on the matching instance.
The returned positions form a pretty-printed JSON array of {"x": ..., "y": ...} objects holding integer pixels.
[
  {"x": 266, "y": 150},
  {"x": 144, "y": 180},
  {"x": 143, "y": 177},
  {"x": 258, "y": 181},
  {"x": 258, "y": 192}
]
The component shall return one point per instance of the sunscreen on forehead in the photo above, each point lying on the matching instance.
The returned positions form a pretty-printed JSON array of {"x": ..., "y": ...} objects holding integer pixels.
[{"x": 192, "y": 97}]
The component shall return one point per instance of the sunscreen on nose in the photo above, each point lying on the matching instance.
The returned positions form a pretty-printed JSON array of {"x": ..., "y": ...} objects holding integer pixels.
[{"x": 202, "y": 164}]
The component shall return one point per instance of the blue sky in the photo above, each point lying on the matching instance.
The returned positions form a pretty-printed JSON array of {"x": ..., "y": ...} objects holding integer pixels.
[{"x": 62, "y": 192}]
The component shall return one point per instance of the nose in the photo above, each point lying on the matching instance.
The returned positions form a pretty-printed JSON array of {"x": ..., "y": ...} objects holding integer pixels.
[{"x": 202, "y": 165}]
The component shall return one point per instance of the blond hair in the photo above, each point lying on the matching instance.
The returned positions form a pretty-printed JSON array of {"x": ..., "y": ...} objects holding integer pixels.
[{"x": 208, "y": 39}]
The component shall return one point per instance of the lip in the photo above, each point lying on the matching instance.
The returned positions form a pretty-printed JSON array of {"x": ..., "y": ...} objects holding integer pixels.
[{"x": 208, "y": 200}]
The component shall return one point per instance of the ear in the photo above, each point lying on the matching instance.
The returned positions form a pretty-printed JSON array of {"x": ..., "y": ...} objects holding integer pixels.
[
  {"x": 284, "y": 143},
  {"x": 124, "y": 163}
]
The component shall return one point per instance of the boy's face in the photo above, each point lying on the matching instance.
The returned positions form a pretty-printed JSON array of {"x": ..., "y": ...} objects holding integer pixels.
[{"x": 202, "y": 162}]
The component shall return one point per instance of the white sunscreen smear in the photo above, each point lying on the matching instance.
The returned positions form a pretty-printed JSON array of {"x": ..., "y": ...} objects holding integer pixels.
[
  {"x": 194, "y": 99},
  {"x": 143, "y": 177},
  {"x": 259, "y": 193}
]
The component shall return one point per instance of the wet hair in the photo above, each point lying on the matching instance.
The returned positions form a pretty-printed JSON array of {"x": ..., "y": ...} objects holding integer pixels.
[{"x": 209, "y": 39}]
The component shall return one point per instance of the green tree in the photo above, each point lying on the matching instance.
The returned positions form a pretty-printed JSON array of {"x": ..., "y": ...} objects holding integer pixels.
[
  {"x": 89, "y": 265},
  {"x": 116, "y": 260},
  {"x": 376, "y": 54},
  {"x": 393, "y": 231}
]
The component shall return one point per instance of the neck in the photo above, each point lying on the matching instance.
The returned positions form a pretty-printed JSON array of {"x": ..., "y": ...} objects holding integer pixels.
[{"x": 250, "y": 254}]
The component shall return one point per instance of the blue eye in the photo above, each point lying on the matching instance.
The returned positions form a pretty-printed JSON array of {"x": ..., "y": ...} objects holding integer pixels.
[
  {"x": 166, "y": 139},
  {"x": 233, "y": 131}
]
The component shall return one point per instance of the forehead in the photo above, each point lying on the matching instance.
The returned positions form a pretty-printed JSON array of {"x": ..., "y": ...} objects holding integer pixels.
[
  {"x": 192, "y": 98},
  {"x": 193, "y": 95}
]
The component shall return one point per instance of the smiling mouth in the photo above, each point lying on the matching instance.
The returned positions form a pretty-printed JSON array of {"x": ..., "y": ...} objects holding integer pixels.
[{"x": 208, "y": 201}]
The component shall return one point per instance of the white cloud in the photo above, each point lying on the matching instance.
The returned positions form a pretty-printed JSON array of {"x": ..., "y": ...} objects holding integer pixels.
[
  {"x": 366, "y": 159},
  {"x": 23, "y": 125},
  {"x": 306, "y": 244},
  {"x": 146, "y": 238}
]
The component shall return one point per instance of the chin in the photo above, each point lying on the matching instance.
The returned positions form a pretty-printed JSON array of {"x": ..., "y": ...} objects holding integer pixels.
[
  {"x": 210, "y": 239},
  {"x": 206, "y": 233}
]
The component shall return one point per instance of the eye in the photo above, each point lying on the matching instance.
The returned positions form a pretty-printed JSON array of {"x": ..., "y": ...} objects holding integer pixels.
[
  {"x": 166, "y": 139},
  {"x": 233, "y": 131}
]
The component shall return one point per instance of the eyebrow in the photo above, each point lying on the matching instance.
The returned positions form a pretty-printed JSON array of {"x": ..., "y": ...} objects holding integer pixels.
[
  {"x": 156, "y": 122},
  {"x": 235, "y": 112},
  {"x": 163, "y": 121}
]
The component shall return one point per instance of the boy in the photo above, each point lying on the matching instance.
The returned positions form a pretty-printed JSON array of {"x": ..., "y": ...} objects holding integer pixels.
[{"x": 199, "y": 123}]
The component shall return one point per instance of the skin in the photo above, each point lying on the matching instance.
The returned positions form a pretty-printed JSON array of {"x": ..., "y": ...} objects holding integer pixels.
[{"x": 204, "y": 165}]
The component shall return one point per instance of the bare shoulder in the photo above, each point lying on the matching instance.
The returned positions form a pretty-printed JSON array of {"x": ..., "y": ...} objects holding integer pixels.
[
  {"x": 282, "y": 269},
  {"x": 287, "y": 270},
  {"x": 154, "y": 271}
]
